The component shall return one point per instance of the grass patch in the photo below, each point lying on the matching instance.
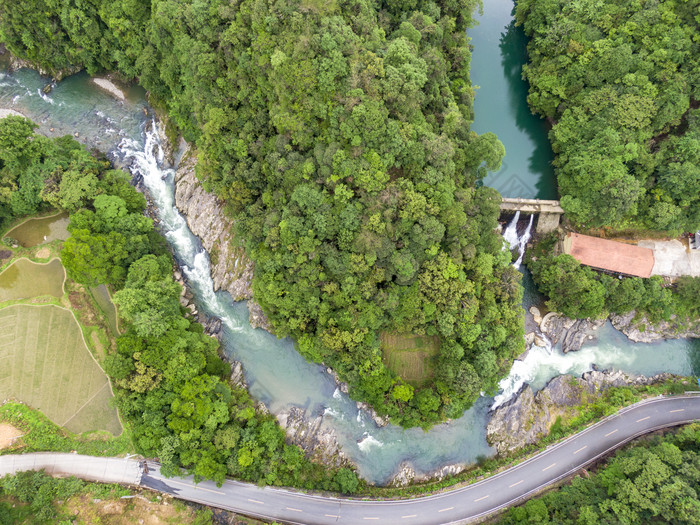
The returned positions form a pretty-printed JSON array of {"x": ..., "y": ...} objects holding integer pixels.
[
  {"x": 103, "y": 299},
  {"x": 36, "y": 498},
  {"x": 410, "y": 356},
  {"x": 40, "y": 434},
  {"x": 44, "y": 362}
]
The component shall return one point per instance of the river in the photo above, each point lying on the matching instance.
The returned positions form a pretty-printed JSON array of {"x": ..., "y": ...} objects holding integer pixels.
[{"x": 276, "y": 373}]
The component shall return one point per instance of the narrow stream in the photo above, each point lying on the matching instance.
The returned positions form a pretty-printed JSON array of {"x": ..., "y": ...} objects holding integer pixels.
[{"x": 277, "y": 374}]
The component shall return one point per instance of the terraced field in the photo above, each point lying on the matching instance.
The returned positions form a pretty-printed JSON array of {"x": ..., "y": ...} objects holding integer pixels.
[{"x": 44, "y": 363}]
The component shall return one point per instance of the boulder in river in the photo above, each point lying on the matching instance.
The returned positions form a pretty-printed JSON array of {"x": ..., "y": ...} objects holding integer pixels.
[{"x": 571, "y": 332}]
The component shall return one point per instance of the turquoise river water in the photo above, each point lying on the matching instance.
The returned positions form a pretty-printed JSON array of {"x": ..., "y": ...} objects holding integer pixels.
[{"x": 276, "y": 373}]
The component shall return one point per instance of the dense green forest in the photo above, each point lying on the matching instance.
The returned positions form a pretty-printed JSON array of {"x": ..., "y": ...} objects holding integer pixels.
[
  {"x": 171, "y": 384},
  {"x": 338, "y": 134},
  {"x": 620, "y": 80},
  {"x": 578, "y": 291},
  {"x": 655, "y": 481}
]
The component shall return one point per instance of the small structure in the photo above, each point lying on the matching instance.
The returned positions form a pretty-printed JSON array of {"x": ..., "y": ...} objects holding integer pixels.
[
  {"x": 610, "y": 256},
  {"x": 548, "y": 212}
]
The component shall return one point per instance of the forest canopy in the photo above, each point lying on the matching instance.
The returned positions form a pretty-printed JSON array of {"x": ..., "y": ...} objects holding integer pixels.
[
  {"x": 654, "y": 481},
  {"x": 620, "y": 81},
  {"x": 338, "y": 134},
  {"x": 171, "y": 385}
]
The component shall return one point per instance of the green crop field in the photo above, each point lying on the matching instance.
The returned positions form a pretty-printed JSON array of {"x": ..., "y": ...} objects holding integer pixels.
[
  {"x": 410, "y": 355},
  {"x": 44, "y": 363}
]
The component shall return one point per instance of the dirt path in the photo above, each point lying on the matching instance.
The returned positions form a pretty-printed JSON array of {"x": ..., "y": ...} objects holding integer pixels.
[{"x": 8, "y": 433}]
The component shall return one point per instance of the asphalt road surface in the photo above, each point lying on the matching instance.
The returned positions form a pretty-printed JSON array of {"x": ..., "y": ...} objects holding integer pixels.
[{"x": 459, "y": 505}]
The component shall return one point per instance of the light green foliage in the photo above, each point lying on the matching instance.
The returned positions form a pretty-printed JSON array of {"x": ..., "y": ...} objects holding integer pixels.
[
  {"x": 652, "y": 482},
  {"x": 621, "y": 81},
  {"x": 150, "y": 297}
]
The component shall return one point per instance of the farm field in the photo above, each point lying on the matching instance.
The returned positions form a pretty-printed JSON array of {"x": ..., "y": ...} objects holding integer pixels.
[
  {"x": 24, "y": 279},
  {"x": 44, "y": 363},
  {"x": 409, "y": 355}
]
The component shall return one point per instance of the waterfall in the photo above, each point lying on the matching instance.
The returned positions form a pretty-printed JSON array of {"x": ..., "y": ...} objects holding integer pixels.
[{"x": 514, "y": 241}]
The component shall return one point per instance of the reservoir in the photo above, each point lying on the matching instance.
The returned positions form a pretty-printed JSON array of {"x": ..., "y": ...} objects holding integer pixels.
[{"x": 500, "y": 106}]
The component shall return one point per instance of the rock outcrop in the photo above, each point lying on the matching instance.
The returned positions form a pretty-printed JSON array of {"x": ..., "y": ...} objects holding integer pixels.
[
  {"x": 571, "y": 332},
  {"x": 231, "y": 270},
  {"x": 528, "y": 417},
  {"x": 257, "y": 317},
  {"x": 319, "y": 443},
  {"x": 643, "y": 331},
  {"x": 406, "y": 474}
]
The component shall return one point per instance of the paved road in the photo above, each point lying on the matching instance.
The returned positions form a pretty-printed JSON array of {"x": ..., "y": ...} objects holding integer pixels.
[
  {"x": 107, "y": 470},
  {"x": 459, "y": 505}
]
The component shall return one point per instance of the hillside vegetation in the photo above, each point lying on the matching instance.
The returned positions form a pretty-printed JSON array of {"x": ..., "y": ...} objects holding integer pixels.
[
  {"x": 620, "y": 80},
  {"x": 656, "y": 481},
  {"x": 338, "y": 134}
]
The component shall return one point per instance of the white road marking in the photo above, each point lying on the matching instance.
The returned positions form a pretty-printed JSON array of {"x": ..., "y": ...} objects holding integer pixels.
[
  {"x": 547, "y": 468},
  {"x": 195, "y": 487},
  {"x": 679, "y": 410},
  {"x": 444, "y": 510},
  {"x": 514, "y": 484},
  {"x": 331, "y": 516},
  {"x": 370, "y": 518},
  {"x": 256, "y": 501},
  {"x": 409, "y": 516},
  {"x": 483, "y": 497},
  {"x": 295, "y": 510},
  {"x": 579, "y": 450},
  {"x": 610, "y": 433},
  {"x": 643, "y": 419}
]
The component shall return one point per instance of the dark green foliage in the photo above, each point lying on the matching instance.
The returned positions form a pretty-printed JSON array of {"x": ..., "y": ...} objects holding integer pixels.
[
  {"x": 338, "y": 134},
  {"x": 171, "y": 385},
  {"x": 652, "y": 482},
  {"x": 577, "y": 291},
  {"x": 621, "y": 81}
]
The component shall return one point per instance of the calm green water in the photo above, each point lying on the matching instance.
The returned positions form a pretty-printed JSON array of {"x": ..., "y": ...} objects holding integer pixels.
[
  {"x": 501, "y": 106},
  {"x": 34, "y": 232},
  {"x": 24, "y": 279}
]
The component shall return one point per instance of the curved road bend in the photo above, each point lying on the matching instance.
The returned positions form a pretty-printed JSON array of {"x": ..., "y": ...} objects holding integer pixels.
[{"x": 458, "y": 505}]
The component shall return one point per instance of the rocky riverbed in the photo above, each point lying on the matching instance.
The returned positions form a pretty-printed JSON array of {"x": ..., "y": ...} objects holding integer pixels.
[
  {"x": 528, "y": 416},
  {"x": 643, "y": 331}
]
